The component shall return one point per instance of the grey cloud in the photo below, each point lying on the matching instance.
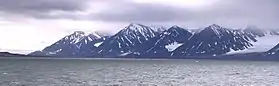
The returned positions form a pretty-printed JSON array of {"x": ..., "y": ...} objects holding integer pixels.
[
  {"x": 126, "y": 11},
  {"x": 235, "y": 12},
  {"x": 40, "y": 8},
  {"x": 226, "y": 12},
  {"x": 39, "y": 5}
]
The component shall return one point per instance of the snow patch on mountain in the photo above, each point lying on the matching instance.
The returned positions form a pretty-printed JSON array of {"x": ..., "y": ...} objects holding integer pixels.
[
  {"x": 166, "y": 42},
  {"x": 125, "y": 54},
  {"x": 57, "y": 51},
  {"x": 171, "y": 47},
  {"x": 98, "y": 44}
]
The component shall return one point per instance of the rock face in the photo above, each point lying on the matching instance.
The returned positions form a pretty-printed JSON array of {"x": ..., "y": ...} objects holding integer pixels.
[
  {"x": 213, "y": 40},
  {"x": 274, "y": 51},
  {"x": 125, "y": 41},
  {"x": 165, "y": 43},
  {"x": 76, "y": 44}
]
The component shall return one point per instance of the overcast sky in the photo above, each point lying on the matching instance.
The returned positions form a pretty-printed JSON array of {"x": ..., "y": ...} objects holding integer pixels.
[{"x": 28, "y": 25}]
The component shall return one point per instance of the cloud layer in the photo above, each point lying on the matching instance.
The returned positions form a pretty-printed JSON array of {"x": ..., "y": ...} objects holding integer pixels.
[
  {"x": 228, "y": 11},
  {"x": 35, "y": 7}
]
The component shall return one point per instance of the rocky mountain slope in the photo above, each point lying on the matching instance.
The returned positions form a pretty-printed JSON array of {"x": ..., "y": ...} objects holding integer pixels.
[
  {"x": 213, "y": 40},
  {"x": 76, "y": 44}
]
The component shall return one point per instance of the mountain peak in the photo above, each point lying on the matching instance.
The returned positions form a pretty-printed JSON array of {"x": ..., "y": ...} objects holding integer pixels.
[
  {"x": 175, "y": 26},
  {"x": 135, "y": 26},
  {"x": 214, "y": 26},
  {"x": 74, "y": 37},
  {"x": 76, "y": 34},
  {"x": 216, "y": 30},
  {"x": 131, "y": 24},
  {"x": 141, "y": 27},
  {"x": 79, "y": 32},
  {"x": 94, "y": 35},
  {"x": 138, "y": 29}
]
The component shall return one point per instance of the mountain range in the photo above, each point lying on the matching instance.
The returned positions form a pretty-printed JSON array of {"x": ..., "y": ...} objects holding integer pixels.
[{"x": 137, "y": 40}]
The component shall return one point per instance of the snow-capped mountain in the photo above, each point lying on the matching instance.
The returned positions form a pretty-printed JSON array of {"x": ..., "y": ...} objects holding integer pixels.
[
  {"x": 124, "y": 41},
  {"x": 214, "y": 40},
  {"x": 166, "y": 42},
  {"x": 90, "y": 43},
  {"x": 153, "y": 41},
  {"x": 71, "y": 45}
]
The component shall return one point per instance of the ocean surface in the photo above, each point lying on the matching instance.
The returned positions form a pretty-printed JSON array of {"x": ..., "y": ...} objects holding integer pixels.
[{"x": 131, "y": 72}]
